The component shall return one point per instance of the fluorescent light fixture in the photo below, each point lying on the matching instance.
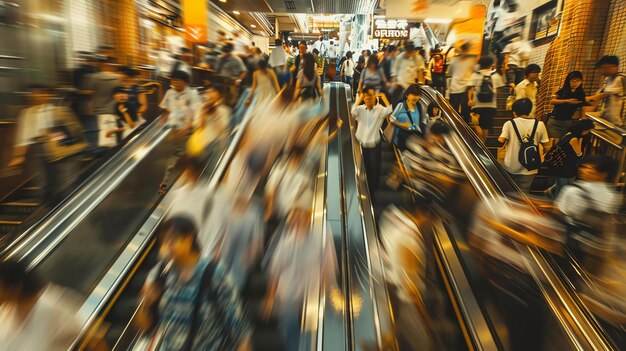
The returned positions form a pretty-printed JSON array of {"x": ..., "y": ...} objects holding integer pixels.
[
  {"x": 236, "y": 13},
  {"x": 222, "y": 0},
  {"x": 253, "y": 25},
  {"x": 438, "y": 20}
]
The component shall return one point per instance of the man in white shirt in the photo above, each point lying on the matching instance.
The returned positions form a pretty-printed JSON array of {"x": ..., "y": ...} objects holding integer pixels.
[
  {"x": 461, "y": 69},
  {"x": 482, "y": 95},
  {"x": 370, "y": 118},
  {"x": 516, "y": 56},
  {"x": 408, "y": 67},
  {"x": 612, "y": 94},
  {"x": 183, "y": 62},
  {"x": 242, "y": 46},
  {"x": 525, "y": 125},
  {"x": 528, "y": 87},
  {"x": 180, "y": 103},
  {"x": 103, "y": 103}
]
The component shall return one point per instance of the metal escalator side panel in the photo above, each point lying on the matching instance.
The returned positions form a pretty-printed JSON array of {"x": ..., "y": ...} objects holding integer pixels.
[
  {"x": 371, "y": 316},
  {"x": 491, "y": 182}
]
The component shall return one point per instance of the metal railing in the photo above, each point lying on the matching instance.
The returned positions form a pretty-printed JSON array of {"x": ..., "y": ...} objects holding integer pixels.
[{"x": 609, "y": 140}]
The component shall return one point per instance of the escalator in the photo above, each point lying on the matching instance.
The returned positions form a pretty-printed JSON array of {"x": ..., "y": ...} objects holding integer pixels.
[{"x": 463, "y": 307}]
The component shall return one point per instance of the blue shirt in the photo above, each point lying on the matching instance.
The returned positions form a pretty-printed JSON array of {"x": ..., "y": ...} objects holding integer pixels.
[
  {"x": 400, "y": 115},
  {"x": 178, "y": 302}
]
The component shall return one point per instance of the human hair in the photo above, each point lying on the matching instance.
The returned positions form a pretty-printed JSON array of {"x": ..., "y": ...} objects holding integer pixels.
[
  {"x": 315, "y": 51},
  {"x": 372, "y": 61},
  {"x": 361, "y": 60},
  {"x": 302, "y": 43},
  {"x": 181, "y": 227},
  {"x": 368, "y": 52},
  {"x": 278, "y": 42},
  {"x": 414, "y": 89},
  {"x": 570, "y": 76},
  {"x": 608, "y": 60},
  {"x": 522, "y": 107},
  {"x": 391, "y": 48},
  {"x": 180, "y": 75},
  {"x": 485, "y": 62},
  {"x": 120, "y": 90},
  {"x": 532, "y": 68},
  {"x": 40, "y": 86},
  {"x": 409, "y": 47},
  {"x": 185, "y": 50},
  {"x": 431, "y": 108},
  {"x": 579, "y": 127},
  {"x": 16, "y": 275},
  {"x": 349, "y": 54},
  {"x": 439, "y": 127},
  {"x": 263, "y": 65},
  {"x": 309, "y": 66},
  {"x": 368, "y": 87},
  {"x": 227, "y": 48},
  {"x": 602, "y": 164}
]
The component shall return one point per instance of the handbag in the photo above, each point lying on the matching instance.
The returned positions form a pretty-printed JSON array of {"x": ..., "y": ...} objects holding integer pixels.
[
  {"x": 554, "y": 159},
  {"x": 389, "y": 131}
]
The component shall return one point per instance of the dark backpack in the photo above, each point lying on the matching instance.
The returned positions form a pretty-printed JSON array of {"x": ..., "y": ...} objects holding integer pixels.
[
  {"x": 528, "y": 151},
  {"x": 485, "y": 93}
]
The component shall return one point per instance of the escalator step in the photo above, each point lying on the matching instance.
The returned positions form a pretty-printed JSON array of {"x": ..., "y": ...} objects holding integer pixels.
[{"x": 18, "y": 207}]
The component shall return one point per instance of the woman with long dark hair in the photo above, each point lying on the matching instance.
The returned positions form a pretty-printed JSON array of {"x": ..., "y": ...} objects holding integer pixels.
[
  {"x": 566, "y": 101},
  {"x": 564, "y": 156},
  {"x": 373, "y": 76},
  {"x": 308, "y": 84},
  {"x": 408, "y": 117},
  {"x": 264, "y": 83}
]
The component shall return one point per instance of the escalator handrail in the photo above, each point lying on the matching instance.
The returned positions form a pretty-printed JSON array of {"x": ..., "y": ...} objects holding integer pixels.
[
  {"x": 383, "y": 316},
  {"x": 493, "y": 183},
  {"x": 38, "y": 218},
  {"x": 126, "y": 262},
  {"x": 43, "y": 237}
]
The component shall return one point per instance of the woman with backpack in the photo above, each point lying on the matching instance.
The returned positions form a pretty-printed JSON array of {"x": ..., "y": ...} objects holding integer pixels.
[
  {"x": 408, "y": 117},
  {"x": 563, "y": 158},
  {"x": 347, "y": 69},
  {"x": 308, "y": 84},
  {"x": 482, "y": 95}
]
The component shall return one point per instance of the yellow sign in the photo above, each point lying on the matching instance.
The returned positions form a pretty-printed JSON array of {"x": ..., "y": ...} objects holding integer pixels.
[{"x": 195, "y": 19}]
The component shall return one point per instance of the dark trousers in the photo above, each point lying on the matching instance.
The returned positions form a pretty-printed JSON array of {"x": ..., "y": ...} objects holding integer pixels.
[
  {"x": 460, "y": 103},
  {"x": 90, "y": 125},
  {"x": 514, "y": 74},
  {"x": 439, "y": 82},
  {"x": 371, "y": 161}
]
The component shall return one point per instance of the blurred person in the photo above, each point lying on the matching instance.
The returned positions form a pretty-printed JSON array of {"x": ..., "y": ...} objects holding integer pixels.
[
  {"x": 242, "y": 46},
  {"x": 233, "y": 68},
  {"x": 298, "y": 261},
  {"x": 461, "y": 69},
  {"x": 408, "y": 117},
  {"x": 366, "y": 55},
  {"x": 82, "y": 102},
  {"x": 432, "y": 169},
  {"x": 126, "y": 118},
  {"x": 278, "y": 61},
  {"x": 516, "y": 55},
  {"x": 347, "y": 69},
  {"x": 183, "y": 62},
  {"x": 358, "y": 71},
  {"x": 299, "y": 58},
  {"x": 483, "y": 86},
  {"x": 51, "y": 138},
  {"x": 590, "y": 205},
  {"x": 567, "y": 100},
  {"x": 563, "y": 158},
  {"x": 264, "y": 84},
  {"x": 408, "y": 67},
  {"x": 369, "y": 118},
  {"x": 34, "y": 316},
  {"x": 387, "y": 62},
  {"x": 198, "y": 306},
  {"x": 308, "y": 83},
  {"x": 180, "y": 103},
  {"x": 521, "y": 137},
  {"x": 437, "y": 71},
  {"x": 434, "y": 112},
  {"x": 612, "y": 93},
  {"x": 102, "y": 84},
  {"x": 137, "y": 102},
  {"x": 527, "y": 88},
  {"x": 404, "y": 250},
  {"x": 290, "y": 184},
  {"x": 372, "y": 76}
]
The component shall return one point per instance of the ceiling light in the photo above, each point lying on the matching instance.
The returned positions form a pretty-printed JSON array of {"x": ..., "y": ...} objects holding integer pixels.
[
  {"x": 236, "y": 13},
  {"x": 438, "y": 20},
  {"x": 222, "y": 0},
  {"x": 253, "y": 26}
]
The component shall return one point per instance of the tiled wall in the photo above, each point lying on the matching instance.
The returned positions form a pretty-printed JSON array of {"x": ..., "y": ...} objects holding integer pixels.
[
  {"x": 82, "y": 30},
  {"x": 578, "y": 47}
]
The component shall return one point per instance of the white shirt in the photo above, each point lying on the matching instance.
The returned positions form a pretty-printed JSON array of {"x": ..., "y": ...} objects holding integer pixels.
[
  {"x": 50, "y": 326},
  {"x": 240, "y": 44},
  {"x": 525, "y": 127},
  {"x": 406, "y": 69},
  {"x": 278, "y": 57},
  {"x": 571, "y": 200},
  {"x": 462, "y": 69},
  {"x": 477, "y": 80},
  {"x": 526, "y": 89},
  {"x": 612, "y": 105},
  {"x": 369, "y": 123},
  {"x": 348, "y": 68},
  {"x": 519, "y": 53},
  {"x": 34, "y": 122},
  {"x": 182, "y": 106},
  {"x": 293, "y": 187},
  {"x": 504, "y": 19}
]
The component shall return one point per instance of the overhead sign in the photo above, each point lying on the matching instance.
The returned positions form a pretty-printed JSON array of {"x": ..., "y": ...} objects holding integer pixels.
[
  {"x": 195, "y": 18},
  {"x": 390, "y": 29}
]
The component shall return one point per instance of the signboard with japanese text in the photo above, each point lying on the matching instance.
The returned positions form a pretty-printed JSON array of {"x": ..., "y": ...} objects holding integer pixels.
[{"x": 390, "y": 29}]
